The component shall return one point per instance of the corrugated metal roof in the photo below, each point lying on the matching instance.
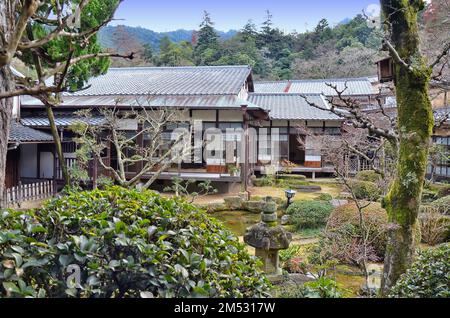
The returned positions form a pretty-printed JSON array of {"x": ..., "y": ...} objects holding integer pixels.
[
  {"x": 200, "y": 80},
  {"x": 293, "y": 106},
  {"x": 21, "y": 134},
  {"x": 182, "y": 101},
  {"x": 61, "y": 120},
  {"x": 356, "y": 86}
]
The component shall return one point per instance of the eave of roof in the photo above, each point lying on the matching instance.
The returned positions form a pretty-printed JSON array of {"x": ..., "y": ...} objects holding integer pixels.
[{"x": 21, "y": 134}]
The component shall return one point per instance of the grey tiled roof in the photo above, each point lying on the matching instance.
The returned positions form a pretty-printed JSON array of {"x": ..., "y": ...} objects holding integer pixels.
[
  {"x": 203, "y": 80},
  {"x": 61, "y": 120},
  {"x": 21, "y": 134},
  {"x": 442, "y": 113},
  {"x": 356, "y": 86},
  {"x": 271, "y": 87},
  {"x": 184, "y": 101},
  {"x": 293, "y": 106}
]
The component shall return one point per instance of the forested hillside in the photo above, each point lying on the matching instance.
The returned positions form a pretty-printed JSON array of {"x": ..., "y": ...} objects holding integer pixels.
[{"x": 348, "y": 49}]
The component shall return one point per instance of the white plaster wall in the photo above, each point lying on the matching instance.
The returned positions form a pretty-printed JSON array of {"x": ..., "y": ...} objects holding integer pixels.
[
  {"x": 280, "y": 123},
  {"x": 47, "y": 162},
  {"x": 28, "y": 161},
  {"x": 315, "y": 124},
  {"x": 332, "y": 124},
  {"x": 205, "y": 115},
  {"x": 230, "y": 116}
]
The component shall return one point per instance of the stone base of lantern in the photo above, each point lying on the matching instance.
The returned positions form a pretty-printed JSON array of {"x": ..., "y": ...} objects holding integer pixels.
[{"x": 270, "y": 261}]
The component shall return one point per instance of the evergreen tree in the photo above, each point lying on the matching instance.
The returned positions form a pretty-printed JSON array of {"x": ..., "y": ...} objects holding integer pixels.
[
  {"x": 249, "y": 32},
  {"x": 207, "y": 49}
]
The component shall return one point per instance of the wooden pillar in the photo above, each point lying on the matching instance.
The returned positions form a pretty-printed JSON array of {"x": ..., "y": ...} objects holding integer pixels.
[
  {"x": 55, "y": 172},
  {"x": 140, "y": 143},
  {"x": 95, "y": 173},
  {"x": 245, "y": 168}
]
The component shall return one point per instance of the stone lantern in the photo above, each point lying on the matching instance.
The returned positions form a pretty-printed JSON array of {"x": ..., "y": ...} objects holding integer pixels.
[{"x": 268, "y": 238}]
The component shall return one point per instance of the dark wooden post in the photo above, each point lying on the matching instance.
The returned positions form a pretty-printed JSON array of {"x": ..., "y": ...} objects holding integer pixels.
[
  {"x": 95, "y": 173},
  {"x": 55, "y": 172},
  {"x": 245, "y": 169}
]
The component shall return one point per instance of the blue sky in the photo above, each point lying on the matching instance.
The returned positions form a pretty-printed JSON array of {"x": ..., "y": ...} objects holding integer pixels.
[{"x": 169, "y": 15}]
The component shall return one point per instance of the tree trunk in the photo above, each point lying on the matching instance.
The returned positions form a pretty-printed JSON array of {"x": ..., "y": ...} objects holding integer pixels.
[
  {"x": 58, "y": 145},
  {"x": 6, "y": 84},
  {"x": 5, "y": 122},
  {"x": 415, "y": 124}
]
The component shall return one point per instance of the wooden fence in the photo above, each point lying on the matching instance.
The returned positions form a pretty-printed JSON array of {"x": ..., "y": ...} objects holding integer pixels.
[{"x": 27, "y": 192}]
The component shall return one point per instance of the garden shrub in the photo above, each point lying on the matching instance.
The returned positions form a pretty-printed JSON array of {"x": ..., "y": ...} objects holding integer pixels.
[
  {"x": 428, "y": 277},
  {"x": 325, "y": 197},
  {"x": 309, "y": 214},
  {"x": 365, "y": 190},
  {"x": 291, "y": 177},
  {"x": 125, "y": 243},
  {"x": 370, "y": 176},
  {"x": 342, "y": 239},
  {"x": 434, "y": 227},
  {"x": 320, "y": 288},
  {"x": 442, "y": 205}
]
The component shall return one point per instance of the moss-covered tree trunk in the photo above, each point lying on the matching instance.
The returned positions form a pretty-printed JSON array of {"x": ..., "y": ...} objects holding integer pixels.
[
  {"x": 415, "y": 124},
  {"x": 6, "y": 84}
]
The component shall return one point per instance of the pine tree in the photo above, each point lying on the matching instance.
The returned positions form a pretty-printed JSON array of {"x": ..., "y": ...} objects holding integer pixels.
[{"x": 207, "y": 48}]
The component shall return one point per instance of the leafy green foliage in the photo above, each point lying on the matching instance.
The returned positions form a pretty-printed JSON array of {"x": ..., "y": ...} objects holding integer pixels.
[
  {"x": 60, "y": 48},
  {"x": 428, "y": 277},
  {"x": 365, "y": 190},
  {"x": 309, "y": 214},
  {"x": 348, "y": 49},
  {"x": 124, "y": 243},
  {"x": 325, "y": 197},
  {"x": 370, "y": 176}
]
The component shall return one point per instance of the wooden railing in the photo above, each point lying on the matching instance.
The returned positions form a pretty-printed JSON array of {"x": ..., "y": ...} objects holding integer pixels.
[{"x": 27, "y": 192}]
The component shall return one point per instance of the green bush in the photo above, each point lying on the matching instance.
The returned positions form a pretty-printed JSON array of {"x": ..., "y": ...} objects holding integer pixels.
[
  {"x": 429, "y": 276},
  {"x": 442, "y": 205},
  {"x": 291, "y": 177},
  {"x": 370, "y": 176},
  {"x": 125, "y": 243},
  {"x": 365, "y": 190},
  {"x": 325, "y": 197},
  {"x": 309, "y": 214}
]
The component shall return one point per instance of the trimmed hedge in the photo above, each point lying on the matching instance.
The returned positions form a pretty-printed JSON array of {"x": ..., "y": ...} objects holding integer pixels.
[
  {"x": 370, "y": 176},
  {"x": 124, "y": 243},
  {"x": 309, "y": 214},
  {"x": 365, "y": 190}
]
